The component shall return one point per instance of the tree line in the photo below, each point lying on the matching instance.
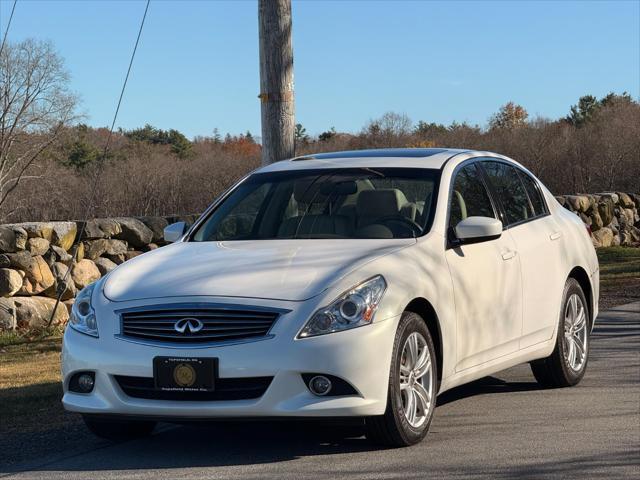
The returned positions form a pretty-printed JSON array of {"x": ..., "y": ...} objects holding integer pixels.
[{"x": 52, "y": 165}]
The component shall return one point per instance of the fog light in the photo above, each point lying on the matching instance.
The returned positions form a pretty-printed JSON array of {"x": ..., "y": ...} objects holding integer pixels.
[
  {"x": 320, "y": 385},
  {"x": 82, "y": 382},
  {"x": 85, "y": 382}
]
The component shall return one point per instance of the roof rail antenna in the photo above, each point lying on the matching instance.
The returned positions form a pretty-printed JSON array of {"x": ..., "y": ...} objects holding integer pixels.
[{"x": 304, "y": 157}]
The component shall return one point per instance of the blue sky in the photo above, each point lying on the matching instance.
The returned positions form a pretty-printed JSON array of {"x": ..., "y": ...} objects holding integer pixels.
[{"x": 197, "y": 64}]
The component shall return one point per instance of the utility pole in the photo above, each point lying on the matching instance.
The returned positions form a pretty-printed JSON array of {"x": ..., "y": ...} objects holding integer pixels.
[{"x": 276, "y": 80}]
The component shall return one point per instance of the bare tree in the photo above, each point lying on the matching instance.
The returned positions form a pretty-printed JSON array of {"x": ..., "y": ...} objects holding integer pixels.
[{"x": 36, "y": 105}]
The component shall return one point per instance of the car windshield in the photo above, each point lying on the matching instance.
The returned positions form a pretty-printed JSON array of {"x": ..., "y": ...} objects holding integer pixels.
[{"x": 328, "y": 204}]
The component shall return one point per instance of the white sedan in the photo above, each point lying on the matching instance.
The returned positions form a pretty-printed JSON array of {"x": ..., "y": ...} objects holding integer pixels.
[{"x": 350, "y": 284}]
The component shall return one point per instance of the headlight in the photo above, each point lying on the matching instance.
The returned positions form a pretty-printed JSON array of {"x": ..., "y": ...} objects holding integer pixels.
[
  {"x": 352, "y": 309},
  {"x": 83, "y": 316}
]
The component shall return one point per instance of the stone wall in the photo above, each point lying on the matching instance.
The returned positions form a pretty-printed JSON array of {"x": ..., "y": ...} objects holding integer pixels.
[
  {"x": 612, "y": 216},
  {"x": 34, "y": 257}
]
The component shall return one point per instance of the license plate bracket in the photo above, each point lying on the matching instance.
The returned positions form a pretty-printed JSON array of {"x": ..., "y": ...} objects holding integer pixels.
[{"x": 185, "y": 374}]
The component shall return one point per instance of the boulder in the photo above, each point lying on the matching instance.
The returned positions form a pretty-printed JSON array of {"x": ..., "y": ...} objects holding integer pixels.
[
  {"x": 10, "y": 282},
  {"x": 7, "y": 315},
  {"x": 21, "y": 238},
  {"x": 625, "y": 200},
  {"x": 585, "y": 218},
  {"x": 88, "y": 230},
  {"x": 578, "y": 203},
  {"x": 616, "y": 240},
  {"x": 605, "y": 209},
  {"x": 602, "y": 237},
  {"x": 61, "y": 254},
  {"x": 629, "y": 236},
  {"x": 79, "y": 251},
  {"x": 38, "y": 276},
  {"x": 156, "y": 225},
  {"x": 117, "y": 259},
  {"x": 35, "y": 312},
  {"x": 37, "y": 229},
  {"x": 131, "y": 254},
  {"x": 610, "y": 195},
  {"x": 97, "y": 248},
  {"x": 134, "y": 232},
  {"x": 64, "y": 234},
  {"x": 84, "y": 273},
  {"x": 64, "y": 285},
  {"x": 4, "y": 261},
  {"x": 151, "y": 246},
  {"x": 7, "y": 239},
  {"x": 104, "y": 265},
  {"x": 37, "y": 246},
  {"x": 627, "y": 216},
  {"x": 99, "y": 228},
  {"x": 596, "y": 221}
]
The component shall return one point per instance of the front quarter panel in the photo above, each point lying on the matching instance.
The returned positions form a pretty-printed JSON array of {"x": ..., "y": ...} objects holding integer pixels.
[{"x": 416, "y": 272}]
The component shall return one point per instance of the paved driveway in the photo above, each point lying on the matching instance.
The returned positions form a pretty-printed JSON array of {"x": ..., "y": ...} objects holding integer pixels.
[{"x": 499, "y": 427}]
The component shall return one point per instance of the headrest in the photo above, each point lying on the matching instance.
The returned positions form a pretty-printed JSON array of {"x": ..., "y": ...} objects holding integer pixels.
[{"x": 380, "y": 203}]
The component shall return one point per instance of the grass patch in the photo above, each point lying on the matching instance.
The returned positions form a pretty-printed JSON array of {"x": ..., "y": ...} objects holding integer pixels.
[
  {"x": 618, "y": 263},
  {"x": 30, "y": 389}
]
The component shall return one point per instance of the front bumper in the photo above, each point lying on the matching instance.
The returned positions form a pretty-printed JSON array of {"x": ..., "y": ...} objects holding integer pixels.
[{"x": 360, "y": 356}]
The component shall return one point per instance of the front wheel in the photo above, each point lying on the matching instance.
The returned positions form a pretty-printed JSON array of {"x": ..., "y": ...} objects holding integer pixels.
[
  {"x": 118, "y": 429},
  {"x": 413, "y": 380},
  {"x": 565, "y": 367}
]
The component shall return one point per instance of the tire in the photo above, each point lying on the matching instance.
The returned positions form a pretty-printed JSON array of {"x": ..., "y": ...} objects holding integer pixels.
[
  {"x": 558, "y": 369},
  {"x": 394, "y": 428},
  {"x": 117, "y": 430}
]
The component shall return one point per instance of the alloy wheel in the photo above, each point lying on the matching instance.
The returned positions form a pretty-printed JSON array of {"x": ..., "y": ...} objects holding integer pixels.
[
  {"x": 575, "y": 333},
  {"x": 416, "y": 380}
]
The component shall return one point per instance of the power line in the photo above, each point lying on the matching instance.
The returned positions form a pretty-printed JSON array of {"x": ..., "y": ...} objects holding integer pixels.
[
  {"x": 87, "y": 216},
  {"x": 6, "y": 32}
]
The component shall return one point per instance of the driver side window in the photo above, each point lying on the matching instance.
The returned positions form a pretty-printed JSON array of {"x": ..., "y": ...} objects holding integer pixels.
[{"x": 469, "y": 197}]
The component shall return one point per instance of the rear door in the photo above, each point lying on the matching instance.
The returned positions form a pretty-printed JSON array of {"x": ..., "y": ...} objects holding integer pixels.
[
  {"x": 486, "y": 279},
  {"x": 539, "y": 243}
]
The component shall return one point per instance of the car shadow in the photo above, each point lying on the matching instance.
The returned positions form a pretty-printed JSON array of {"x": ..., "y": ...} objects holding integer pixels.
[
  {"x": 483, "y": 386},
  {"x": 229, "y": 443}
]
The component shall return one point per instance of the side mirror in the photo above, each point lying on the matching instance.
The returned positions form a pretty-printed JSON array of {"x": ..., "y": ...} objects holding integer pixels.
[
  {"x": 174, "y": 232},
  {"x": 477, "y": 229}
]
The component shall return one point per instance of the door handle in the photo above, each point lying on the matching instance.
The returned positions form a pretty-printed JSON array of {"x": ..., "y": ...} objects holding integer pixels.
[
  {"x": 509, "y": 255},
  {"x": 555, "y": 235}
]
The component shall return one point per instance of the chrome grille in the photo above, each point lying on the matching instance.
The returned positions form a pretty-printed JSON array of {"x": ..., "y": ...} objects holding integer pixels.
[{"x": 215, "y": 324}]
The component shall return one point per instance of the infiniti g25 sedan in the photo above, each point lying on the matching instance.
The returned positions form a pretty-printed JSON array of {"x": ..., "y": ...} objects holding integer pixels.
[{"x": 350, "y": 284}]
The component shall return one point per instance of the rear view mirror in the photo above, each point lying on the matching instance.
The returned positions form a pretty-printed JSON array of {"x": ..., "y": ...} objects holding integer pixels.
[
  {"x": 174, "y": 232},
  {"x": 477, "y": 229}
]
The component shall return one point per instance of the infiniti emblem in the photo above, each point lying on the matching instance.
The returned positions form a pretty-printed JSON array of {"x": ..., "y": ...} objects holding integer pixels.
[{"x": 188, "y": 325}]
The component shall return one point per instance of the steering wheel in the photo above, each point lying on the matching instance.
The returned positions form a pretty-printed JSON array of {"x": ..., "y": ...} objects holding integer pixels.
[{"x": 404, "y": 221}]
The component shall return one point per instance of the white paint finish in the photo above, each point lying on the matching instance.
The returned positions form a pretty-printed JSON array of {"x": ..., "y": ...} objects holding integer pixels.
[
  {"x": 276, "y": 269},
  {"x": 472, "y": 228},
  {"x": 488, "y": 300},
  {"x": 542, "y": 277},
  {"x": 497, "y": 305}
]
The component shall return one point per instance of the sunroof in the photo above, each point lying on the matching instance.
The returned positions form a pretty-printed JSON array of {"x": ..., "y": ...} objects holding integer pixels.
[{"x": 383, "y": 152}]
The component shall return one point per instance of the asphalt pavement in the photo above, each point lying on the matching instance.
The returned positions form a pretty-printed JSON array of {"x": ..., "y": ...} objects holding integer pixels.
[{"x": 503, "y": 426}]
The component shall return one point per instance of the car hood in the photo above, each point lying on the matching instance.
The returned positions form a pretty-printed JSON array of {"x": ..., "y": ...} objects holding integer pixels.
[{"x": 292, "y": 270}]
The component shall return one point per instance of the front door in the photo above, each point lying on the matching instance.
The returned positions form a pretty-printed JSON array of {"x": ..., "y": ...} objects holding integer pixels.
[{"x": 486, "y": 280}]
